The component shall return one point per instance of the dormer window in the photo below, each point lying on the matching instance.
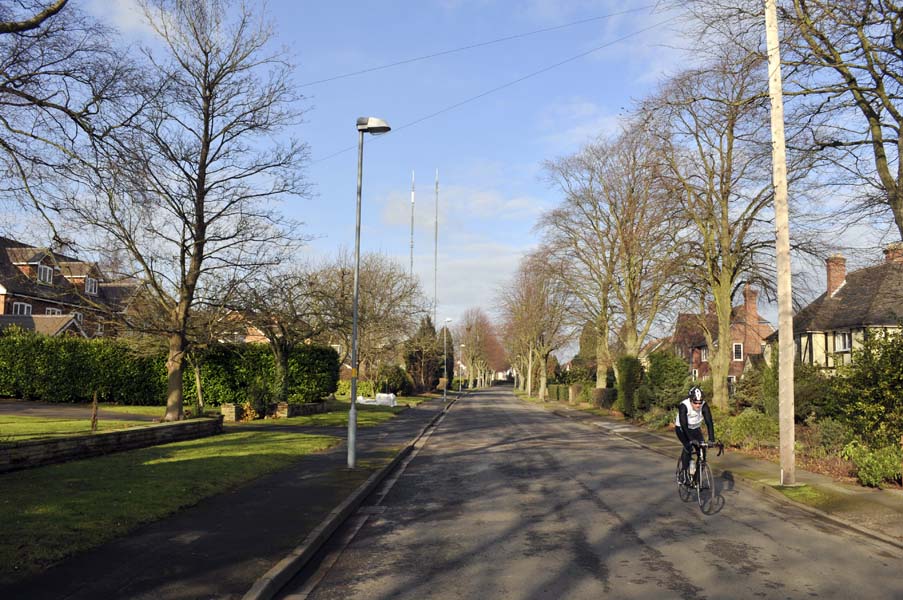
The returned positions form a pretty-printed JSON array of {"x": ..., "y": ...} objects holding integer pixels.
[
  {"x": 45, "y": 274},
  {"x": 90, "y": 286},
  {"x": 21, "y": 308}
]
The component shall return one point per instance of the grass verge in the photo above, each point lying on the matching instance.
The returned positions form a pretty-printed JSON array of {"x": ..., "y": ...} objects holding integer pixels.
[
  {"x": 15, "y": 428},
  {"x": 51, "y": 512},
  {"x": 337, "y": 414}
]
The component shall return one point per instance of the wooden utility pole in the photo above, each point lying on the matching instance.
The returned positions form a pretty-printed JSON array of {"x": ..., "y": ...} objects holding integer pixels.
[{"x": 782, "y": 248}]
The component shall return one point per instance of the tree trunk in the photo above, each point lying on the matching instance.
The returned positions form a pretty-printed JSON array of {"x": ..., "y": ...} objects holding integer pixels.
[
  {"x": 530, "y": 373},
  {"x": 543, "y": 378},
  {"x": 174, "y": 367},
  {"x": 197, "y": 387},
  {"x": 281, "y": 363}
]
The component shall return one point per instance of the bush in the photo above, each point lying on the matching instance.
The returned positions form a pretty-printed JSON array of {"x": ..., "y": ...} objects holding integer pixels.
[
  {"x": 313, "y": 373},
  {"x": 392, "y": 379},
  {"x": 874, "y": 467},
  {"x": 657, "y": 418},
  {"x": 630, "y": 376},
  {"x": 643, "y": 398},
  {"x": 830, "y": 434},
  {"x": 668, "y": 378},
  {"x": 868, "y": 390},
  {"x": 364, "y": 388},
  {"x": 750, "y": 429},
  {"x": 604, "y": 397}
]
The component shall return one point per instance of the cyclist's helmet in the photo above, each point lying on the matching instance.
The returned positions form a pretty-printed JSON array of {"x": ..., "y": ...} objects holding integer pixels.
[{"x": 695, "y": 394}]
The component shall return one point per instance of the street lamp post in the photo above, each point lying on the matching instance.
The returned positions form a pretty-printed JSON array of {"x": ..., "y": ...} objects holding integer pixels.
[
  {"x": 445, "y": 359},
  {"x": 373, "y": 126}
]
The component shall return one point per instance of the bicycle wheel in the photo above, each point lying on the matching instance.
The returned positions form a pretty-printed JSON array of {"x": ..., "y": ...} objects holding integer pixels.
[
  {"x": 705, "y": 489},
  {"x": 683, "y": 487}
]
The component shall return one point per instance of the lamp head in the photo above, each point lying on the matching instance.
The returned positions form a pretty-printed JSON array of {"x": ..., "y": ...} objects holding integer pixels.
[{"x": 372, "y": 125}]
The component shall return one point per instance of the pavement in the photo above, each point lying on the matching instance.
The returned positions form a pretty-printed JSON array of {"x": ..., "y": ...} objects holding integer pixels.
[{"x": 245, "y": 543}]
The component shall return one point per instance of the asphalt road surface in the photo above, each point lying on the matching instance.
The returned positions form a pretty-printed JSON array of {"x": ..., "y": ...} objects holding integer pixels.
[{"x": 506, "y": 500}]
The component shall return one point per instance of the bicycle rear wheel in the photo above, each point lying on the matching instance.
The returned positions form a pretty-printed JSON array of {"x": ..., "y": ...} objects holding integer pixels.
[
  {"x": 683, "y": 483},
  {"x": 705, "y": 488}
]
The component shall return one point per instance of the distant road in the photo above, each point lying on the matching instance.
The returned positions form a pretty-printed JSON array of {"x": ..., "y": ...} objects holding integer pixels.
[{"x": 507, "y": 500}]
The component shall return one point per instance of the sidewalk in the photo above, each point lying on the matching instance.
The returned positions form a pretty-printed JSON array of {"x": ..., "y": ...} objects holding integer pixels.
[
  {"x": 219, "y": 548},
  {"x": 878, "y": 513}
]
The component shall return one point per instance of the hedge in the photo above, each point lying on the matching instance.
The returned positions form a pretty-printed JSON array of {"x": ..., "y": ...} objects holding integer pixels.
[{"x": 71, "y": 369}]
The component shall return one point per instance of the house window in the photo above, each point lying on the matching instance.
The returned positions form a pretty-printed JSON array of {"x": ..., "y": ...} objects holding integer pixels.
[
  {"x": 738, "y": 351},
  {"x": 843, "y": 341},
  {"x": 45, "y": 274},
  {"x": 90, "y": 285},
  {"x": 99, "y": 331},
  {"x": 695, "y": 374},
  {"x": 53, "y": 311},
  {"x": 704, "y": 354},
  {"x": 731, "y": 384},
  {"x": 78, "y": 317},
  {"x": 21, "y": 308}
]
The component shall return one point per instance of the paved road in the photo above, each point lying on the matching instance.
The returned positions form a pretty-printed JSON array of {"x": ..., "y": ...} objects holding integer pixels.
[{"x": 506, "y": 500}]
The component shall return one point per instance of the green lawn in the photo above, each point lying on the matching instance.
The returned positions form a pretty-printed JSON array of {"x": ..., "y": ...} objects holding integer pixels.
[
  {"x": 15, "y": 428},
  {"x": 337, "y": 415},
  {"x": 51, "y": 512}
]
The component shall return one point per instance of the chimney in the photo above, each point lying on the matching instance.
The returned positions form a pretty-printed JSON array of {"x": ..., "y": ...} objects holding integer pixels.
[
  {"x": 893, "y": 253},
  {"x": 837, "y": 272},
  {"x": 751, "y": 304}
]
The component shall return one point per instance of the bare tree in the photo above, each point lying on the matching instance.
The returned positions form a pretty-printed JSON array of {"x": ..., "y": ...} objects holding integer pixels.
[
  {"x": 290, "y": 306},
  {"x": 537, "y": 304},
  {"x": 713, "y": 126},
  {"x": 390, "y": 305},
  {"x": 853, "y": 55},
  {"x": 615, "y": 239},
  {"x": 187, "y": 188},
  {"x": 60, "y": 71}
]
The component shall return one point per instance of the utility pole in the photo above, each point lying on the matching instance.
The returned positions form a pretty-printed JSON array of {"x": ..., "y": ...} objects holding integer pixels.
[
  {"x": 412, "y": 224},
  {"x": 782, "y": 249},
  {"x": 436, "y": 253}
]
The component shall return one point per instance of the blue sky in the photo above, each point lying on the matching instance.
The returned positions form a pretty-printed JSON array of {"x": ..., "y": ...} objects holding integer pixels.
[{"x": 489, "y": 151}]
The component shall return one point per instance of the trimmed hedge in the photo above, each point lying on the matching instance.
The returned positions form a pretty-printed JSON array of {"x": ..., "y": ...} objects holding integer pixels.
[
  {"x": 71, "y": 369},
  {"x": 234, "y": 373}
]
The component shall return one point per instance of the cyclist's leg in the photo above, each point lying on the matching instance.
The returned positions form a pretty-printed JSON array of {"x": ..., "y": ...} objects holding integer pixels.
[{"x": 685, "y": 443}]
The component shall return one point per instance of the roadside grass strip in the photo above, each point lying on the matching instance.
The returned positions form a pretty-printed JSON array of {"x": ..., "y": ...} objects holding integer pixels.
[
  {"x": 49, "y": 513},
  {"x": 16, "y": 428},
  {"x": 337, "y": 414}
]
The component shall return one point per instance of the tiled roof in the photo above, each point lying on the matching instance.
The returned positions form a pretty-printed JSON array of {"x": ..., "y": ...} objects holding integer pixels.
[
  {"x": 870, "y": 297},
  {"x": 50, "y": 325},
  {"x": 61, "y": 290}
]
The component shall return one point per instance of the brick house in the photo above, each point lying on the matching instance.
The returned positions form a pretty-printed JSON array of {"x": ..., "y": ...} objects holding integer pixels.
[
  {"x": 853, "y": 305},
  {"x": 748, "y": 338},
  {"x": 36, "y": 283}
]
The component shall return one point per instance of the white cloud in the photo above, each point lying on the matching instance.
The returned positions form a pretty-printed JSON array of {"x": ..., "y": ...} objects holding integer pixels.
[
  {"x": 124, "y": 15},
  {"x": 574, "y": 122}
]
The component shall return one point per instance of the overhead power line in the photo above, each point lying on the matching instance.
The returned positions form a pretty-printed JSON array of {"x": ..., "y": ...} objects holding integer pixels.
[
  {"x": 472, "y": 46},
  {"x": 510, "y": 83}
]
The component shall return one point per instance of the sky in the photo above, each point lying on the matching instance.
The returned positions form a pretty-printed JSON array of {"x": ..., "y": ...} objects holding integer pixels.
[{"x": 488, "y": 144}]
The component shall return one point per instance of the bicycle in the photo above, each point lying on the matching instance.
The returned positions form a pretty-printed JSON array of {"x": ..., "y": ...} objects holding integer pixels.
[{"x": 701, "y": 479}]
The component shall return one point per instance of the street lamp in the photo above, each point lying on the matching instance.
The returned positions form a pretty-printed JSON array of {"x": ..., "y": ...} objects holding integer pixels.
[
  {"x": 373, "y": 126},
  {"x": 445, "y": 359}
]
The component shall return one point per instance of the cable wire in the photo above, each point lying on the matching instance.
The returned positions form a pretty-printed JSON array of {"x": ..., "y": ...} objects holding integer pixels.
[
  {"x": 472, "y": 46},
  {"x": 509, "y": 84}
]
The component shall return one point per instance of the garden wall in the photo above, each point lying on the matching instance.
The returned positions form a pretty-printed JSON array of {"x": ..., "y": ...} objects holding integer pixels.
[{"x": 35, "y": 453}]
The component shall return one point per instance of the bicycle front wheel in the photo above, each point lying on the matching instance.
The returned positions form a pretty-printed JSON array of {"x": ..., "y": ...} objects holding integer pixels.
[{"x": 705, "y": 488}]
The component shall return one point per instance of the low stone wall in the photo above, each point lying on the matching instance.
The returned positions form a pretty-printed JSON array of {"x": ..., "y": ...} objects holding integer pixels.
[
  {"x": 35, "y": 453},
  {"x": 282, "y": 410}
]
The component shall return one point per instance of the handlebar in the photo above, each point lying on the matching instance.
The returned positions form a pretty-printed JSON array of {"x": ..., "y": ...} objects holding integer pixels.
[{"x": 718, "y": 445}]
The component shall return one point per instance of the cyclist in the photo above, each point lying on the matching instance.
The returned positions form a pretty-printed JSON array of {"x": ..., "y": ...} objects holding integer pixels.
[{"x": 691, "y": 412}]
